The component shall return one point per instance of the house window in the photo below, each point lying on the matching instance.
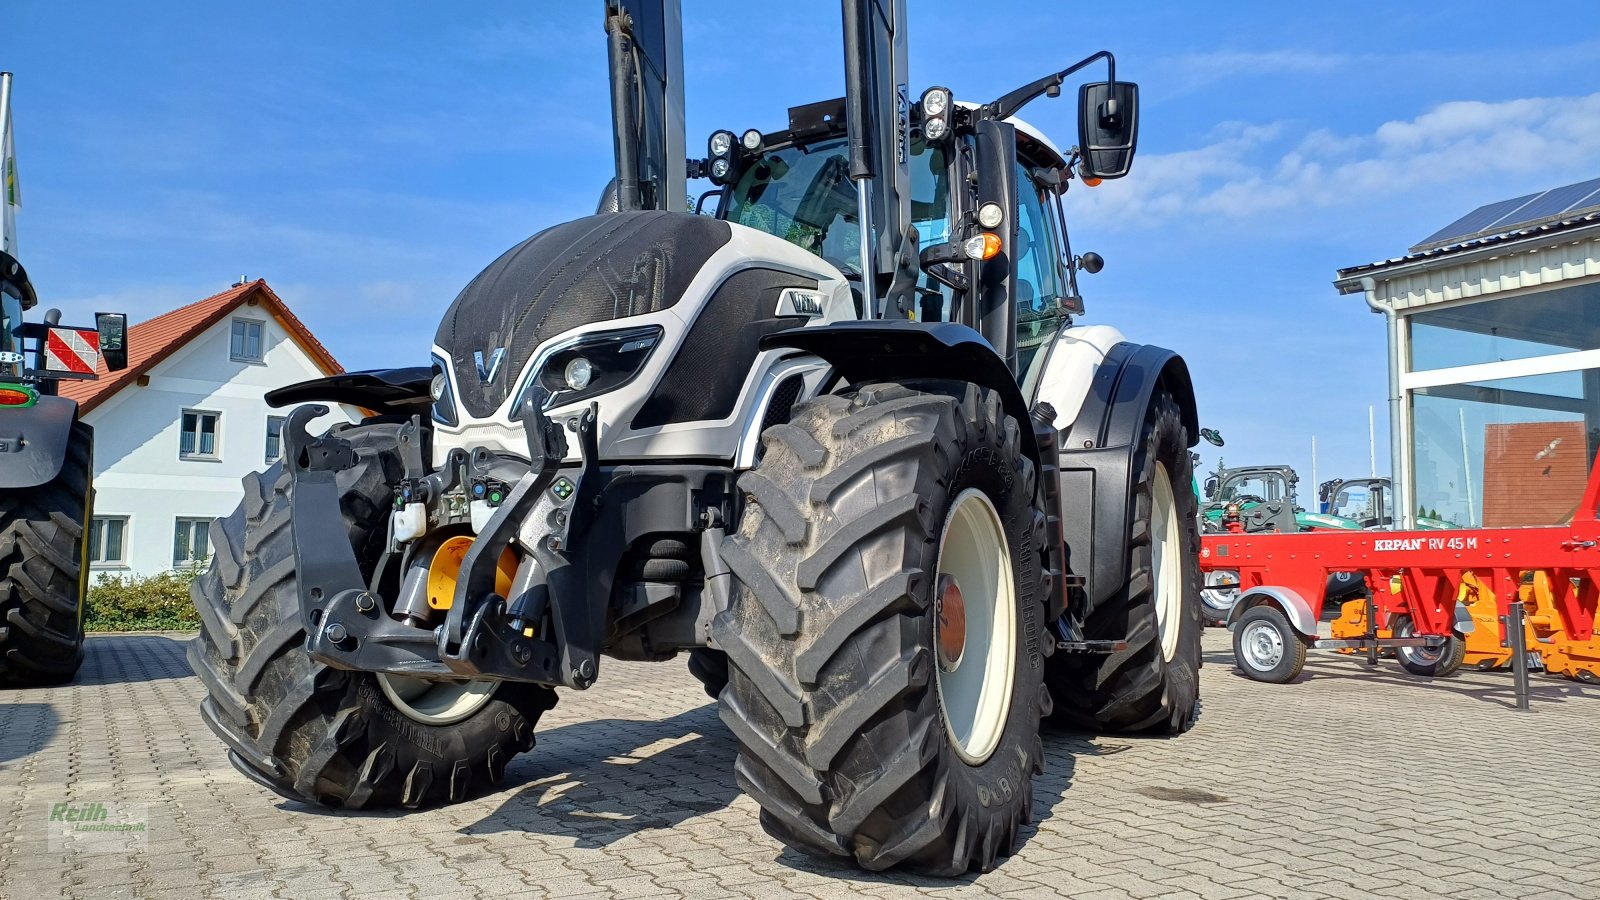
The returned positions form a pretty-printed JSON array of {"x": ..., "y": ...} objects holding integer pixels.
[
  {"x": 108, "y": 544},
  {"x": 199, "y": 438},
  {"x": 246, "y": 343},
  {"x": 274, "y": 438},
  {"x": 191, "y": 545}
]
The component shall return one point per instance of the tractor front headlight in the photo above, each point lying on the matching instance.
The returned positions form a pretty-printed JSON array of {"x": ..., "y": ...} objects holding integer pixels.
[{"x": 592, "y": 364}]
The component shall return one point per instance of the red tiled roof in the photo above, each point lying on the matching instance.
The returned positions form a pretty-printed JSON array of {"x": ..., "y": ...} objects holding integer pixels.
[{"x": 151, "y": 342}]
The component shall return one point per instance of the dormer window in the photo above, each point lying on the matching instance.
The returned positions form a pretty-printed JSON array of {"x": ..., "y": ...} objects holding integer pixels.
[{"x": 246, "y": 344}]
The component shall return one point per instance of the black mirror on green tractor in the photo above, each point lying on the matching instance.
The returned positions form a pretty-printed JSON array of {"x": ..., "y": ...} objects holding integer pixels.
[
  {"x": 113, "y": 332},
  {"x": 1108, "y": 128}
]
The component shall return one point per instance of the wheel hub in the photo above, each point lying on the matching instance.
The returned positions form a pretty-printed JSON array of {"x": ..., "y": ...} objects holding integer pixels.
[
  {"x": 952, "y": 624},
  {"x": 1263, "y": 646}
]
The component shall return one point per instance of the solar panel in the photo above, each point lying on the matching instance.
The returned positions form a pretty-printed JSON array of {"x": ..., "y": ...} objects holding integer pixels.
[{"x": 1512, "y": 215}]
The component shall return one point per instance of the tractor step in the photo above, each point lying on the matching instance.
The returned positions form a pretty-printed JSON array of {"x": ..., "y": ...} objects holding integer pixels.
[{"x": 1430, "y": 641}]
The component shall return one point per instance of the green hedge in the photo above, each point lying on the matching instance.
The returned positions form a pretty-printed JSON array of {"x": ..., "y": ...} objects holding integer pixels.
[{"x": 157, "y": 603}]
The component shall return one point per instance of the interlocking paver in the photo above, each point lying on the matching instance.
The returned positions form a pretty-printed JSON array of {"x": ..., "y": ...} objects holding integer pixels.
[{"x": 1351, "y": 783}]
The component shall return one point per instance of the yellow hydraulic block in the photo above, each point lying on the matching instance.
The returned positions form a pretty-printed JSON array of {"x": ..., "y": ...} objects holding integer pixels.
[
  {"x": 1562, "y": 655},
  {"x": 1483, "y": 643}
]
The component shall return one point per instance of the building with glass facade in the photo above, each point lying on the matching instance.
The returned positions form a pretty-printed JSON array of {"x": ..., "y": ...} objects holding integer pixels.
[{"x": 1494, "y": 360}]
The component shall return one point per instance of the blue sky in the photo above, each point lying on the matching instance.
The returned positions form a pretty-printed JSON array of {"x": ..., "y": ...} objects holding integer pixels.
[{"x": 368, "y": 159}]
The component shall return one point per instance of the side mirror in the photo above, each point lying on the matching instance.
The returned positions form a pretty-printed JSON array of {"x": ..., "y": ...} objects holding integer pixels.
[
  {"x": 1212, "y": 436},
  {"x": 113, "y": 329},
  {"x": 1108, "y": 127},
  {"x": 1211, "y": 486}
]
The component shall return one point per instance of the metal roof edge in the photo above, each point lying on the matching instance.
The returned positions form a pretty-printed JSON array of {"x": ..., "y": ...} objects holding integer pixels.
[{"x": 1348, "y": 280}]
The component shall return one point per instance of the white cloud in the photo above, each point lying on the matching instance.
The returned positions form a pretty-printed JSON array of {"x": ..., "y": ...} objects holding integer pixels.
[{"x": 1248, "y": 171}]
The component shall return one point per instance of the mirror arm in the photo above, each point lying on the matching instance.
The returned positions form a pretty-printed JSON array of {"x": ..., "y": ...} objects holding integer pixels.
[{"x": 1007, "y": 106}]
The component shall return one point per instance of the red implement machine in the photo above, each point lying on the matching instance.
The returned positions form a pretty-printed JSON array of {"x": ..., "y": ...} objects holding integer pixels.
[{"x": 1437, "y": 598}]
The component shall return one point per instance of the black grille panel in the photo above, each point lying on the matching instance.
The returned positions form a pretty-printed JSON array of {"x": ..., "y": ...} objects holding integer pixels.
[
  {"x": 589, "y": 270},
  {"x": 709, "y": 370},
  {"x": 781, "y": 406}
]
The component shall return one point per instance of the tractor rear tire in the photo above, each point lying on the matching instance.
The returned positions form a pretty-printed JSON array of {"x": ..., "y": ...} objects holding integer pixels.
[
  {"x": 307, "y": 731},
  {"x": 857, "y": 735},
  {"x": 1423, "y": 663},
  {"x": 44, "y": 570},
  {"x": 1153, "y": 686}
]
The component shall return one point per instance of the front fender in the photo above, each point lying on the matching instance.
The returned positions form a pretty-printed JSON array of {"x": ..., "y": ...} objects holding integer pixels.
[
  {"x": 863, "y": 352},
  {"x": 33, "y": 441},
  {"x": 403, "y": 391}
]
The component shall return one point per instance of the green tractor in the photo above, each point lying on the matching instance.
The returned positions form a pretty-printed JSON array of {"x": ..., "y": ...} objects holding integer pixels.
[
  {"x": 1263, "y": 498},
  {"x": 1369, "y": 502},
  {"x": 46, "y": 481}
]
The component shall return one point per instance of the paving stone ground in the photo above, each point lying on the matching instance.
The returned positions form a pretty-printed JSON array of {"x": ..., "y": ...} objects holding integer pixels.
[{"x": 1351, "y": 783}]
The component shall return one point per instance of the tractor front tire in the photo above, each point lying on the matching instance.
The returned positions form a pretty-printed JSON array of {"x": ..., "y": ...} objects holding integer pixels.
[
  {"x": 310, "y": 732},
  {"x": 879, "y": 718},
  {"x": 1152, "y": 686},
  {"x": 44, "y": 571}
]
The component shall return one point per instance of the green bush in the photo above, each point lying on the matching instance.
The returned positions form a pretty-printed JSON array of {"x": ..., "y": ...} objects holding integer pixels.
[{"x": 157, "y": 603}]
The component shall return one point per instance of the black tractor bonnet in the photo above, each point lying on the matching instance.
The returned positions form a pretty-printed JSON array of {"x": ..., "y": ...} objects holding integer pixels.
[{"x": 590, "y": 270}]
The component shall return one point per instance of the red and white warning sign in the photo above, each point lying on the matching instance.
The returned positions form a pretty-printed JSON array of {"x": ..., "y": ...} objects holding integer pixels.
[{"x": 71, "y": 350}]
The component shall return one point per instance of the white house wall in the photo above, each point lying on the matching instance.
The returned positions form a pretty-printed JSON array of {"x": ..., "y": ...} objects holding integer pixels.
[{"x": 138, "y": 473}]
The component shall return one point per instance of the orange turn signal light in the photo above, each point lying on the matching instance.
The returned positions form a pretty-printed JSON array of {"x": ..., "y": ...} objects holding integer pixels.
[
  {"x": 13, "y": 397},
  {"x": 1089, "y": 181},
  {"x": 982, "y": 246}
]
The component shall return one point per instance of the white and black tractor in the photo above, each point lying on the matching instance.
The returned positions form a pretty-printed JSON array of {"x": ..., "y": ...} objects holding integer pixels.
[{"x": 841, "y": 442}]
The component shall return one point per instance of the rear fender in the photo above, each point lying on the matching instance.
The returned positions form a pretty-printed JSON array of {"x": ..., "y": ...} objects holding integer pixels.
[
  {"x": 862, "y": 352},
  {"x": 1097, "y": 456},
  {"x": 33, "y": 441}
]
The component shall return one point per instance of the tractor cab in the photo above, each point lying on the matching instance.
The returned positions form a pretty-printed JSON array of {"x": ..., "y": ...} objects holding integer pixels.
[
  {"x": 1369, "y": 503},
  {"x": 1263, "y": 498}
]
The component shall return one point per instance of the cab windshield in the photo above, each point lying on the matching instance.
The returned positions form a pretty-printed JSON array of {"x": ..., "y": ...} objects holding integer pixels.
[{"x": 804, "y": 195}]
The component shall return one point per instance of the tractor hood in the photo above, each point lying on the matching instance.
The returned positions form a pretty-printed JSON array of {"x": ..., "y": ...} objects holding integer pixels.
[{"x": 594, "y": 269}]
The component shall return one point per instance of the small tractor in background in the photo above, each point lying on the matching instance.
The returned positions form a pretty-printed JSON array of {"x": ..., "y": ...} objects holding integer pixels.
[
  {"x": 841, "y": 442},
  {"x": 1369, "y": 503},
  {"x": 1262, "y": 500},
  {"x": 46, "y": 481}
]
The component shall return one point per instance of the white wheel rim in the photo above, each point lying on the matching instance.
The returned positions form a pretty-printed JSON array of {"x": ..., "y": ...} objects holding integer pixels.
[
  {"x": 435, "y": 702},
  {"x": 975, "y": 685},
  {"x": 1262, "y": 646},
  {"x": 1166, "y": 562}
]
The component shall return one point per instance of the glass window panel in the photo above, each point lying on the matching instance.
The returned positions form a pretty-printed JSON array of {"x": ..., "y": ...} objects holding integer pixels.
[
  {"x": 1558, "y": 321},
  {"x": 246, "y": 340},
  {"x": 1507, "y": 452},
  {"x": 191, "y": 542},
  {"x": 113, "y": 542},
  {"x": 95, "y": 531},
  {"x": 274, "y": 438}
]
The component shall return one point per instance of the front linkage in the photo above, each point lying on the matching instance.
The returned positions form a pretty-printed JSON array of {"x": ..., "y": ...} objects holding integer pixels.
[{"x": 485, "y": 636}]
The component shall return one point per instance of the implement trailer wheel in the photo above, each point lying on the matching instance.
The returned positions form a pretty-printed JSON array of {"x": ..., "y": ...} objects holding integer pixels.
[
  {"x": 1424, "y": 662},
  {"x": 1154, "y": 685},
  {"x": 44, "y": 571},
  {"x": 329, "y": 736},
  {"x": 1267, "y": 648},
  {"x": 884, "y": 636}
]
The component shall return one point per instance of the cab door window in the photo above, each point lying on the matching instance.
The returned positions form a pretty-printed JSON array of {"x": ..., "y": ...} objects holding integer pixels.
[{"x": 1038, "y": 277}]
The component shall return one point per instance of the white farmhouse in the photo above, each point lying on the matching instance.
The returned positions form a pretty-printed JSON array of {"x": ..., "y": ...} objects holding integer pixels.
[{"x": 177, "y": 429}]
